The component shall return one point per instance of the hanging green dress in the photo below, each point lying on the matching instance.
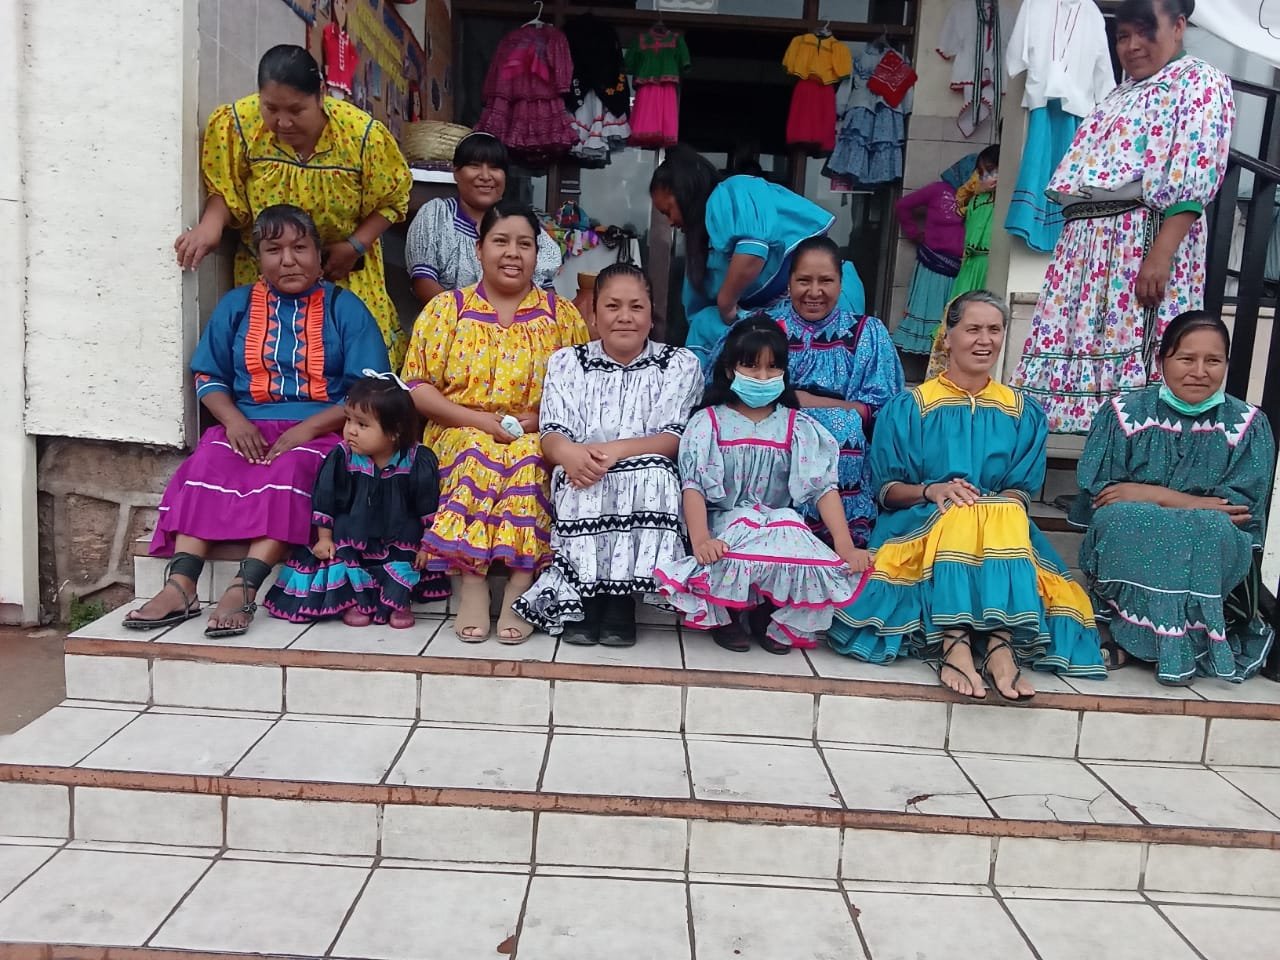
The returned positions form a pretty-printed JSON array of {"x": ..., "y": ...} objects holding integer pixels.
[{"x": 1178, "y": 587}]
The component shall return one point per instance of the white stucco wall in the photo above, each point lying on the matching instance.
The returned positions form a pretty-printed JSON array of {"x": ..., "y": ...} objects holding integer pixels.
[{"x": 107, "y": 132}]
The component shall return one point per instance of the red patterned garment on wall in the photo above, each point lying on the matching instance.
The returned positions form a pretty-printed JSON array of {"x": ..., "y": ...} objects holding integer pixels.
[{"x": 524, "y": 90}]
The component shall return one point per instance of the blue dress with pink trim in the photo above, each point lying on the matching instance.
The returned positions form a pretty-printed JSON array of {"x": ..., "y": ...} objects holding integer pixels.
[
  {"x": 754, "y": 476},
  {"x": 378, "y": 517}
]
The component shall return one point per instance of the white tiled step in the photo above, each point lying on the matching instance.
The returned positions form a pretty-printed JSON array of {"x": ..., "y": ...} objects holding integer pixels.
[
  {"x": 251, "y": 902},
  {"x": 359, "y": 759},
  {"x": 693, "y": 708},
  {"x": 661, "y": 646}
]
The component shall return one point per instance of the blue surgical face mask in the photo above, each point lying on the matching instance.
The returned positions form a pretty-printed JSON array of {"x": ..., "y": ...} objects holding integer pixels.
[
  {"x": 1192, "y": 409},
  {"x": 756, "y": 393}
]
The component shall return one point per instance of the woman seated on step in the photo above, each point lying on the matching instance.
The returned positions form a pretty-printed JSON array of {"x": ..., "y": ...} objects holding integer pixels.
[
  {"x": 961, "y": 576},
  {"x": 1175, "y": 479},
  {"x": 613, "y": 412},
  {"x": 476, "y": 364},
  {"x": 273, "y": 368},
  {"x": 844, "y": 369}
]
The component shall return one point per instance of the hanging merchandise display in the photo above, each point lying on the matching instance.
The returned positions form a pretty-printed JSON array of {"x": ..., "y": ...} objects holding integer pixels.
[
  {"x": 655, "y": 60},
  {"x": 972, "y": 39},
  {"x": 1061, "y": 45},
  {"x": 340, "y": 57},
  {"x": 599, "y": 96},
  {"x": 872, "y": 133},
  {"x": 819, "y": 61},
  {"x": 928, "y": 218},
  {"x": 524, "y": 90}
]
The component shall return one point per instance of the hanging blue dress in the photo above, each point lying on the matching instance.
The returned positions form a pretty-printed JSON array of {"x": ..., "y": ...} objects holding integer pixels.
[
  {"x": 1032, "y": 215},
  {"x": 847, "y": 357},
  {"x": 753, "y": 216}
]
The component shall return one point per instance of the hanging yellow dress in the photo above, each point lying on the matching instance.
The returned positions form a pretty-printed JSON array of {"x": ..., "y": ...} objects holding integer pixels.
[{"x": 357, "y": 170}]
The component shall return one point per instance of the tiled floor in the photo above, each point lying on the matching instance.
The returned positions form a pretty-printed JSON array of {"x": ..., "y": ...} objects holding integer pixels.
[
  {"x": 357, "y": 907},
  {"x": 661, "y": 644},
  {"x": 747, "y": 769}
]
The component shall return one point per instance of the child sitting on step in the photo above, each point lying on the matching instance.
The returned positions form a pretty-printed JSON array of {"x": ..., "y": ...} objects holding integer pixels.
[
  {"x": 375, "y": 496},
  {"x": 748, "y": 458}
]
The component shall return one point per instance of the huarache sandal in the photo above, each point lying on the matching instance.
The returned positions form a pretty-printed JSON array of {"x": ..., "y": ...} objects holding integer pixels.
[
  {"x": 958, "y": 639},
  {"x": 190, "y": 609},
  {"x": 513, "y": 628},
  {"x": 472, "y": 623},
  {"x": 251, "y": 574},
  {"x": 995, "y": 643}
]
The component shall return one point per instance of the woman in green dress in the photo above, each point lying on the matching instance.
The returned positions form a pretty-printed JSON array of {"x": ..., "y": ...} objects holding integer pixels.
[
  {"x": 976, "y": 202},
  {"x": 961, "y": 577},
  {"x": 1174, "y": 480}
]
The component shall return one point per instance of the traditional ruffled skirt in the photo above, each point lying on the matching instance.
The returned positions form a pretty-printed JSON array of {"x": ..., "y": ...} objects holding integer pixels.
[
  {"x": 493, "y": 503},
  {"x": 373, "y": 577},
  {"x": 533, "y": 127},
  {"x": 811, "y": 121},
  {"x": 218, "y": 495},
  {"x": 926, "y": 300},
  {"x": 983, "y": 568},
  {"x": 772, "y": 557},
  {"x": 1033, "y": 216},
  {"x": 655, "y": 115},
  {"x": 607, "y": 539},
  {"x": 1178, "y": 588},
  {"x": 851, "y": 475}
]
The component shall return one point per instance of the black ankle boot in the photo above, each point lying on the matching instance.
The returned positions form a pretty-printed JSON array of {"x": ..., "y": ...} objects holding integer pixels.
[
  {"x": 619, "y": 626},
  {"x": 586, "y": 632}
]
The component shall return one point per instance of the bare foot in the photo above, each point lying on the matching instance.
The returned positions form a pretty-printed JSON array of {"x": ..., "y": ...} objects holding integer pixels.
[
  {"x": 1003, "y": 670},
  {"x": 230, "y": 613},
  {"x": 958, "y": 671},
  {"x": 167, "y": 602}
]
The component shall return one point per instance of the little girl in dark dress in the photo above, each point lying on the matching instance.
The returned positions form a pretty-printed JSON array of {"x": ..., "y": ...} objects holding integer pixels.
[{"x": 375, "y": 496}]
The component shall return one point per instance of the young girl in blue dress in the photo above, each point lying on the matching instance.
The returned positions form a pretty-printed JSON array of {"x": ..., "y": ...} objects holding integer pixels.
[
  {"x": 748, "y": 459},
  {"x": 375, "y": 496}
]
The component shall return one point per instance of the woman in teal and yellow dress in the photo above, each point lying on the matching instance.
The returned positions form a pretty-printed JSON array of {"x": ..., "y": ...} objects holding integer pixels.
[
  {"x": 962, "y": 577},
  {"x": 288, "y": 143},
  {"x": 1175, "y": 479}
]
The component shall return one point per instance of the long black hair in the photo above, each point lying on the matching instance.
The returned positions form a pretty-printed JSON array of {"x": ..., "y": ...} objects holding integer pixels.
[
  {"x": 292, "y": 66},
  {"x": 1142, "y": 13},
  {"x": 391, "y": 405},
  {"x": 689, "y": 177},
  {"x": 746, "y": 341},
  {"x": 1185, "y": 323},
  {"x": 508, "y": 208}
]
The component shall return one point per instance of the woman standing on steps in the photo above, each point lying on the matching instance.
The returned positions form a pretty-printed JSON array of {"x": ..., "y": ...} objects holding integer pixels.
[
  {"x": 289, "y": 143},
  {"x": 273, "y": 366},
  {"x": 959, "y": 570},
  {"x": 475, "y": 365},
  {"x": 1133, "y": 186},
  {"x": 1175, "y": 482}
]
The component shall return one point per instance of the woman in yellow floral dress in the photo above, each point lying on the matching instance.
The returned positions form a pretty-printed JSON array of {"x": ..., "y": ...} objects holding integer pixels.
[
  {"x": 288, "y": 143},
  {"x": 478, "y": 355}
]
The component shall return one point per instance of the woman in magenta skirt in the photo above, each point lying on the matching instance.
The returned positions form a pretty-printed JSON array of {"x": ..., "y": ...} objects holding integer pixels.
[{"x": 273, "y": 367}]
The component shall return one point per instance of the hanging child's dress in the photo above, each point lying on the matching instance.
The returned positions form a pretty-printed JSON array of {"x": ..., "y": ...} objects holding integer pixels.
[
  {"x": 655, "y": 60},
  {"x": 1062, "y": 46},
  {"x": 873, "y": 133},
  {"x": 599, "y": 96},
  {"x": 524, "y": 90},
  {"x": 972, "y": 39},
  {"x": 820, "y": 63}
]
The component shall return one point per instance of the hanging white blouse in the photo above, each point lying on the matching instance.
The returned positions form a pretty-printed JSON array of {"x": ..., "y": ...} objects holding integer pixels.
[
  {"x": 1062, "y": 46},
  {"x": 976, "y": 50}
]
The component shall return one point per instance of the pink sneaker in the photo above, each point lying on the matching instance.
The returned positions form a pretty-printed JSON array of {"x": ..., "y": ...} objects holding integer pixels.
[
  {"x": 401, "y": 620},
  {"x": 354, "y": 618}
]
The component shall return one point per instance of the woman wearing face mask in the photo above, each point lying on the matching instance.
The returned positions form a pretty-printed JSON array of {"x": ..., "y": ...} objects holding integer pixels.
[
  {"x": 960, "y": 571},
  {"x": 1133, "y": 186},
  {"x": 440, "y": 249},
  {"x": 1175, "y": 480},
  {"x": 739, "y": 239},
  {"x": 288, "y": 143},
  {"x": 747, "y": 459},
  {"x": 845, "y": 369}
]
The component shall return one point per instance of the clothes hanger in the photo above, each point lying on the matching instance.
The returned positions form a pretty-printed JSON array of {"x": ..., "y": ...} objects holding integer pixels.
[
  {"x": 659, "y": 27},
  {"x": 537, "y": 17},
  {"x": 824, "y": 31}
]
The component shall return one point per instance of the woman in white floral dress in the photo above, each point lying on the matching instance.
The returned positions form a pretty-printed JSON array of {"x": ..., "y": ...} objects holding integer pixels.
[{"x": 1134, "y": 186}]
